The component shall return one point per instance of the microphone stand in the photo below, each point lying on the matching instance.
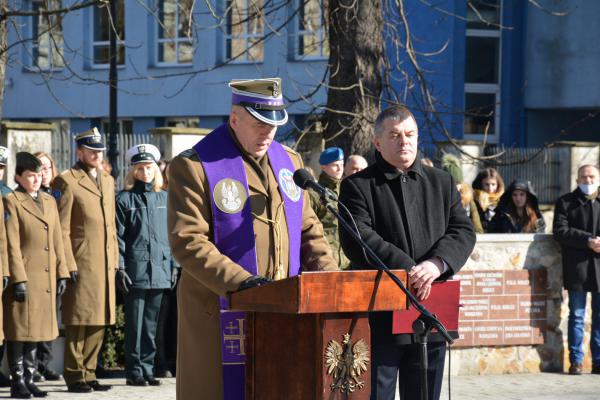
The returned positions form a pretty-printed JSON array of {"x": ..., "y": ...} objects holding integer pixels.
[{"x": 423, "y": 325}]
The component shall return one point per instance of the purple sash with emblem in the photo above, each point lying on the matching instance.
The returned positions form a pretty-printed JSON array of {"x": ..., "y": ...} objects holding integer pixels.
[{"x": 234, "y": 235}]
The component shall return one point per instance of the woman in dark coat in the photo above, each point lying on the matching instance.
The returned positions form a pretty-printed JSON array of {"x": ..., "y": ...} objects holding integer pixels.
[
  {"x": 518, "y": 211},
  {"x": 146, "y": 267},
  {"x": 488, "y": 187}
]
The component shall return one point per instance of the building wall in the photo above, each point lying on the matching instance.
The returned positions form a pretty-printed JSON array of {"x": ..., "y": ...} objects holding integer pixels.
[
  {"x": 196, "y": 90},
  {"x": 562, "y": 94}
]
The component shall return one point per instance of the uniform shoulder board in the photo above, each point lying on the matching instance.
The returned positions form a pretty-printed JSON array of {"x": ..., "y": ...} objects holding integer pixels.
[
  {"x": 290, "y": 150},
  {"x": 44, "y": 194},
  {"x": 188, "y": 153}
]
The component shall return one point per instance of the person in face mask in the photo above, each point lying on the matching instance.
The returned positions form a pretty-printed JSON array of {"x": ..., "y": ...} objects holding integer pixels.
[{"x": 577, "y": 229}]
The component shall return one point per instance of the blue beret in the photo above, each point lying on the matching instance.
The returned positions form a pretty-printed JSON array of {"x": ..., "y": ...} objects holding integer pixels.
[{"x": 331, "y": 154}]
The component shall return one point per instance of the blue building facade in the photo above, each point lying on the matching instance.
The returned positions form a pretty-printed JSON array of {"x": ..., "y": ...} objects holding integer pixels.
[{"x": 493, "y": 67}]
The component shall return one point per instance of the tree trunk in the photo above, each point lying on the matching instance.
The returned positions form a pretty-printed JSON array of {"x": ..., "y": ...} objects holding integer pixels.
[
  {"x": 3, "y": 54},
  {"x": 356, "y": 62}
]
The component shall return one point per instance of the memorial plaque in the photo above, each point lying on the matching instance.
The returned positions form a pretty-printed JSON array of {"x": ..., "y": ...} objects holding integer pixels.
[
  {"x": 466, "y": 284},
  {"x": 501, "y": 307}
]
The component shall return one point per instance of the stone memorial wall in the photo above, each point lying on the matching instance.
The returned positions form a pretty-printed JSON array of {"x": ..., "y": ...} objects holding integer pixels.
[
  {"x": 515, "y": 310},
  {"x": 502, "y": 308}
]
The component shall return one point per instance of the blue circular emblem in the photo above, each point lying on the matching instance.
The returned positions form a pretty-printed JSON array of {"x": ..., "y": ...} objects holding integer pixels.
[{"x": 287, "y": 185}]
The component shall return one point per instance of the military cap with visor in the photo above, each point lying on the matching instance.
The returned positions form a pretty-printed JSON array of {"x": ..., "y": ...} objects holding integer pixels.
[
  {"x": 142, "y": 153},
  {"x": 262, "y": 98},
  {"x": 4, "y": 153},
  {"x": 90, "y": 139}
]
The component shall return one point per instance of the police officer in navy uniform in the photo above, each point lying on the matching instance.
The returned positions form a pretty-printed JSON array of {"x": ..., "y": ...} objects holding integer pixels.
[{"x": 146, "y": 267}]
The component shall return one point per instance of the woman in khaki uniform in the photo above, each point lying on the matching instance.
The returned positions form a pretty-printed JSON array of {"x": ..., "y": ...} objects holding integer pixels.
[{"x": 38, "y": 274}]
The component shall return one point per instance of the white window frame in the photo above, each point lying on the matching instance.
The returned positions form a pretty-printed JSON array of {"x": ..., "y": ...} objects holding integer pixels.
[
  {"x": 487, "y": 88},
  {"x": 94, "y": 44},
  {"x": 298, "y": 32},
  {"x": 244, "y": 58},
  {"x": 35, "y": 44},
  {"x": 177, "y": 40}
]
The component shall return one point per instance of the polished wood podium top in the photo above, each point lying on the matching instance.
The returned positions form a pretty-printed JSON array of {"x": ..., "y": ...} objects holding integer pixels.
[{"x": 325, "y": 292}]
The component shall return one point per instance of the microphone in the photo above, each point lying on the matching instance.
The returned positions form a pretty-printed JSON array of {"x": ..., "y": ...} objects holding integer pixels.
[{"x": 304, "y": 180}]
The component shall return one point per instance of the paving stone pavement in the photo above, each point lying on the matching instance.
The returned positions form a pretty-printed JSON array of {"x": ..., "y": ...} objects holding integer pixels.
[
  {"x": 544, "y": 386},
  {"x": 58, "y": 390}
]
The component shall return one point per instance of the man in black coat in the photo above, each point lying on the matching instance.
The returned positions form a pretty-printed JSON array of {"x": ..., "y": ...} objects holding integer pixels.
[
  {"x": 411, "y": 216},
  {"x": 577, "y": 229}
]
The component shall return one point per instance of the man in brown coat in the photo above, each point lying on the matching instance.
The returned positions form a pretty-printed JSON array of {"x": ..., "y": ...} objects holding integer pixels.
[
  {"x": 86, "y": 201},
  {"x": 38, "y": 273},
  {"x": 232, "y": 173}
]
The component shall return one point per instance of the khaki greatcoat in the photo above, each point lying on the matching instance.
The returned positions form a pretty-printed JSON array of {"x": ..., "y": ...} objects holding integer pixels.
[
  {"x": 87, "y": 214},
  {"x": 3, "y": 260},
  {"x": 206, "y": 273},
  {"x": 36, "y": 256}
]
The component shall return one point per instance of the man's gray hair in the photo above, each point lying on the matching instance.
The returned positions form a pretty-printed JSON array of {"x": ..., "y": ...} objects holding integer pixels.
[
  {"x": 397, "y": 113},
  {"x": 587, "y": 166}
]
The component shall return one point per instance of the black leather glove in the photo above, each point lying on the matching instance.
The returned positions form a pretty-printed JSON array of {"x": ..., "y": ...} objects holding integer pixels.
[
  {"x": 61, "y": 286},
  {"x": 254, "y": 281},
  {"x": 20, "y": 289},
  {"x": 4, "y": 282},
  {"x": 123, "y": 281},
  {"x": 175, "y": 272},
  {"x": 74, "y": 276}
]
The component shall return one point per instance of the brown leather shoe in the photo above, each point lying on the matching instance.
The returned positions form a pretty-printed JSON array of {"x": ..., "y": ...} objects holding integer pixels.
[{"x": 575, "y": 369}]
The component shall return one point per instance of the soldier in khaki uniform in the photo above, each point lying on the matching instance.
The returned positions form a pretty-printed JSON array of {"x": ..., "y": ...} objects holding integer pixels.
[
  {"x": 36, "y": 262},
  {"x": 3, "y": 260},
  {"x": 86, "y": 201},
  {"x": 332, "y": 170},
  {"x": 207, "y": 271},
  {"x": 4, "y": 191}
]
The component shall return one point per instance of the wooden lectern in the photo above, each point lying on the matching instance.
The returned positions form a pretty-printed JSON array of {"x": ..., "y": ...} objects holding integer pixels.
[{"x": 297, "y": 343}]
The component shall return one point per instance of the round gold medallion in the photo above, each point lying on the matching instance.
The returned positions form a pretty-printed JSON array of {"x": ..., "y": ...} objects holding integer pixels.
[{"x": 230, "y": 196}]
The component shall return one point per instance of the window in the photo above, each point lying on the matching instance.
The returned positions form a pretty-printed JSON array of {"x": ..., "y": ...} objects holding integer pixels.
[
  {"x": 482, "y": 69},
  {"x": 312, "y": 30},
  {"x": 102, "y": 25},
  {"x": 47, "y": 48},
  {"x": 175, "y": 24},
  {"x": 244, "y": 35},
  {"x": 125, "y": 126},
  {"x": 183, "y": 122}
]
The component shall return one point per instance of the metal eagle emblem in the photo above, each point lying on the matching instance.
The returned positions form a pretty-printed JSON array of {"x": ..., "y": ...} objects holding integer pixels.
[{"x": 346, "y": 363}]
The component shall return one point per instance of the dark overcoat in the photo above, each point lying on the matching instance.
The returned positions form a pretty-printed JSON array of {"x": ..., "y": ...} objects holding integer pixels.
[
  {"x": 405, "y": 218},
  {"x": 144, "y": 249},
  {"x": 576, "y": 219}
]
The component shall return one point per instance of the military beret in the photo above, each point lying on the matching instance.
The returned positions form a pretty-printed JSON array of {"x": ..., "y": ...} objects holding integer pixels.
[
  {"x": 4, "y": 152},
  {"x": 27, "y": 162},
  {"x": 142, "y": 153},
  {"x": 331, "y": 154},
  {"x": 262, "y": 98},
  {"x": 90, "y": 139}
]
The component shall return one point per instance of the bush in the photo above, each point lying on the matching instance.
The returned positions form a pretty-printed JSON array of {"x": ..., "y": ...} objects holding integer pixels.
[{"x": 113, "y": 348}]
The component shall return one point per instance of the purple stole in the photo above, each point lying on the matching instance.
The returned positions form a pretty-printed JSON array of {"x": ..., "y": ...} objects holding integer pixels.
[{"x": 234, "y": 236}]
